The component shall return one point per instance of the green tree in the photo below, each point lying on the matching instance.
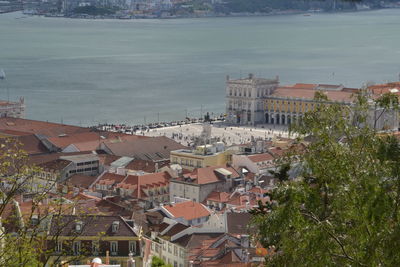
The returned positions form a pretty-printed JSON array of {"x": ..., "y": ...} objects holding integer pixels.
[
  {"x": 24, "y": 233},
  {"x": 157, "y": 262},
  {"x": 344, "y": 208}
]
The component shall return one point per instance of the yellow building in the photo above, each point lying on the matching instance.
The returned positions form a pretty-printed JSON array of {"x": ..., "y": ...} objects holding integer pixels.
[
  {"x": 202, "y": 156},
  {"x": 288, "y": 104}
]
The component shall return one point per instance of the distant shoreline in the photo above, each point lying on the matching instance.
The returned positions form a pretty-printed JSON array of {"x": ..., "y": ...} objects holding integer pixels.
[{"x": 233, "y": 15}]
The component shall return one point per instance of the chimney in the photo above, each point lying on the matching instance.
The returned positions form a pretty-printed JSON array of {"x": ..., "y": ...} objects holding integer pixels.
[{"x": 107, "y": 257}]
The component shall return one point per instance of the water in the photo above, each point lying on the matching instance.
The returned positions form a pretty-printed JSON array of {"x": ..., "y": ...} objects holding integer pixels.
[{"x": 86, "y": 72}]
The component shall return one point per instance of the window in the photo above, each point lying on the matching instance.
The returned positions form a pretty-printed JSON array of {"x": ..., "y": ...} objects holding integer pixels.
[
  {"x": 132, "y": 246},
  {"x": 169, "y": 248},
  {"x": 114, "y": 247},
  {"x": 77, "y": 247},
  {"x": 175, "y": 250},
  {"x": 115, "y": 226},
  {"x": 190, "y": 221},
  {"x": 181, "y": 253},
  {"x": 175, "y": 264},
  {"x": 78, "y": 227},
  {"x": 95, "y": 248},
  {"x": 198, "y": 220},
  {"x": 59, "y": 246},
  {"x": 164, "y": 245},
  {"x": 35, "y": 219}
]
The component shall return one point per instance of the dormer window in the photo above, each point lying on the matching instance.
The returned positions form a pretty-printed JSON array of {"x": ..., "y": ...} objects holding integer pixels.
[
  {"x": 78, "y": 226},
  {"x": 115, "y": 226},
  {"x": 35, "y": 219}
]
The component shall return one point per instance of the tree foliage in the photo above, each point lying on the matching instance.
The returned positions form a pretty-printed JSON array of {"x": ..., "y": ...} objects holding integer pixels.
[
  {"x": 24, "y": 225},
  {"x": 344, "y": 209},
  {"x": 157, "y": 262}
]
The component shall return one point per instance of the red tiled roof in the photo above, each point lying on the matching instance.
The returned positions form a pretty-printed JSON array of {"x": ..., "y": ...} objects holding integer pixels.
[
  {"x": 38, "y": 127},
  {"x": 138, "y": 183},
  {"x": 31, "y": 144},
  {"x": 209, "y": 175},
  {"x": 221, "y": 197},
  {"x": 304, "y": 85},
  {"x": 261, "y": 157},
  {"x": 80, "y": 180},
  {"x": 152, "y": 148},
  {"x": 64, "y": 141},
  {"x": 144, "y": 165},
  {"x": 111, "y": 178},
  {"x": 332, "y": 95},
  {"x": 258, "y": 190},
  {"x": 55, "y": 165},
  {"x": 188, "y": 210},
  {"x": 380, "y": 89}
]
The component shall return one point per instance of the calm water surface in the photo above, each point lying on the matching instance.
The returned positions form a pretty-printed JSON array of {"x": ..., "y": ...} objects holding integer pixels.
[{"x": 90, "y": 71}]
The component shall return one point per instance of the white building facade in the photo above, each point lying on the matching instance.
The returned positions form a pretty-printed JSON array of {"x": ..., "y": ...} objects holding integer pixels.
[{"x": 245, "y": 99}]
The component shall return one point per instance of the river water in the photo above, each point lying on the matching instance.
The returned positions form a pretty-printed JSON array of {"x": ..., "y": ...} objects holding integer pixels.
[{"x": 86, "y": 72}]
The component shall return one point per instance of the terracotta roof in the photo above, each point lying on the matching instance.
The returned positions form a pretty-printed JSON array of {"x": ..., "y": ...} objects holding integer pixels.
[
  {"x": 93, "y": 225},
  {"x": 304, "y": 85},
  {"x": 107, "y": 159},
  {"x": 55, "y": 165},
  {"x": 154, "y": 148},
  {"x": 76, "y": 138},
  {"x": 379, "y": 89},
  {"x": 81, "y": 181},
  {"x": 138, "y": 183},
  {"x": 332, "y": 95},
  {"x": 111, "y": 178},
  {"x": 258, "y": 190},
  {"x": 144, "y": 165},
  {"x": 38, "y": 159},
  {"x": 261, "y": 157},
  {"x": 188, "y": 210},
  {"x": 277, "y": 151},
  {"x": 38, "y": 127},
  {"x": 31, "y": 144},
  {"x": 209, "y": 174},
  {"x": 175, "y": 229},
  {"x": 221, "y": 197},
  {"x": 86, "y": 204},
  {"x": 88, "y": 141},
  {"x": 195, "y": 240}
]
